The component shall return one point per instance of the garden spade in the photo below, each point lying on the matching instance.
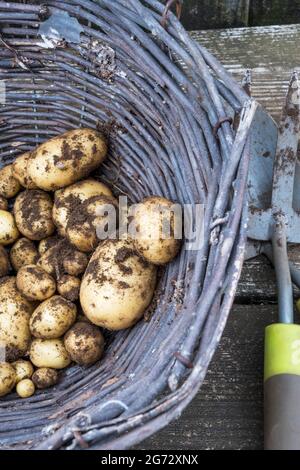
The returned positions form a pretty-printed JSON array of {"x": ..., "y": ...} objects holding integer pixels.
[{"x": 274, "y": 217}]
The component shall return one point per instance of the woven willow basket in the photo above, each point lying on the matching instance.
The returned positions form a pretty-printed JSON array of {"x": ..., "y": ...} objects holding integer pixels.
[{"x": 178, "y": 126}]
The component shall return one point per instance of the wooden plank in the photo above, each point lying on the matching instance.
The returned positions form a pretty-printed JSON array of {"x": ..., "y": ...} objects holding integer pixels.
[
  {"x": 272, "y": 53},
  {"x": 266, "y": 12},
  {"x": 227, "y": 413},
  {"x": 258, "y": 281},
  {"x": 206, "y": 14}
]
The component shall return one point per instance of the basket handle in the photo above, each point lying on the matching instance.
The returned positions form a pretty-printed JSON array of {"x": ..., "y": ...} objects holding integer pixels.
[
  {"x": 168, "y": 6},
  {"x": 282, "y": 387}
]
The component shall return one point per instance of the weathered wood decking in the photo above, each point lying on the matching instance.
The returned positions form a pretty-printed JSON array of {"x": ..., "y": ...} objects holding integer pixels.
[
  {"x": 204, "y": 14},
  {"x": 227, "y": 412}
]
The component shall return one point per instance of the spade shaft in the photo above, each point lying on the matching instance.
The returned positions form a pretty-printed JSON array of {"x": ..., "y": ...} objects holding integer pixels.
[{"x": 280, "y": 223}]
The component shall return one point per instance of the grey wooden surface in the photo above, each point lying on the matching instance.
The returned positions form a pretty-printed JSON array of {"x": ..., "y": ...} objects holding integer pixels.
[
  {"x": 208, "y": 14},
  {"x": 205, "y": 14},
  {"x": 227, "y": 412}
]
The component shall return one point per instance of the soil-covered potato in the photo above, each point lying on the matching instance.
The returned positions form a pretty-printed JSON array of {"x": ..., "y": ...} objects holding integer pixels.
[
  {"x": 48, "y": 243},
  {"x": 84, "y": 343},
  {"x": 3, "y": 204},
  {"x": 53, "y": 318},
  {"x": 9, "y": 232},
  {"x": 25, "y": 388},
  {"x": 24, "y": 369},
  {"x": 49, "y": 353},
  {"x": 15, "y": 312},
  {"x": 33, "y": 213},
  {"x": 67, "y": 158},
  {"x": 22, "y": 253},
  {"x": 153, "y": 241},
  {"x": 68, "y": 286},
  {"x": 4, "y": 262},
  {"x": 75, "y": 263},
  {"x": 35, "y": 284},
  {"x": 94, "y": 217},
  {"x": 19, "y": 171},
  {"x": 7, "y": 378},
  {"x": 45, "y": 378},
  {"x": 118, "y": 285},
  {"x": 69, "y": 199},
  {"x": 9, "y": 186},
  {"x": 63, "y": 258}
]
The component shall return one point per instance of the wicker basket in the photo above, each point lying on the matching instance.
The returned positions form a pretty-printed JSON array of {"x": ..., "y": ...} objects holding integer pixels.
[{"x": 178, "y": 126}]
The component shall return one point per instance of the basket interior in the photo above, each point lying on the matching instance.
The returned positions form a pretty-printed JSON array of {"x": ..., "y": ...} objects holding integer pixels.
[{"x": 127, "y": 80}]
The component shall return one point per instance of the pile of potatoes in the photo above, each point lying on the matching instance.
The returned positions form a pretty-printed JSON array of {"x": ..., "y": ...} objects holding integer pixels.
[{"x": 60, "y": 284}]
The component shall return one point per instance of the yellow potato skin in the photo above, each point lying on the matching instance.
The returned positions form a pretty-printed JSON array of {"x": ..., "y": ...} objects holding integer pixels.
[
  {"x": 68, "y": 286},
  {"x": 23, "y": 253},
  {"x": 24, "y": 369},
  {"x": 25, "y": 388},
  {"x": 9, "y": 186},
  {"x": 117, "y": 286},
  {"x": 53, "y": 318},
  {"x": 67, "y": 158},
  {"x": 149, "y": 241},
  {"x": 35, "y": 284},
  {"x": 7, "y": 378},
  {"x": 20, "y": 173},
  {"x": 65, "y": 199},
  {"x": 15, "y": 312},
  {"x": 9, "y": 232},
  {"x": 49, "y": 353}
]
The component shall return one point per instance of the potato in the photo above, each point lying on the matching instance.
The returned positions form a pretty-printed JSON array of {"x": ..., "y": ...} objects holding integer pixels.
[
  {"x": 3, "y": 204},
  {"x": 63, "y": 258},
  {"x": 50, "y": 262},
  {"x": 48, "y": 243},
  {"x": 15, "y": 312},
  {"x": 67, "y": 158},
  {"x": 25, "y": 388},
  {"x": 7, "y": 378},
  {"x": 45, "y": 378},
  {"x": 35, "y": 284},
  {"x": 68, "y": 287},
  {"x": 83, "y": 222},
  {"x": 75, "y": 263},
  {"x": 19, "y": 171},
  {"x": 9, "y": 186},
  {"x": 4, "y": 262},
  {"x": 84, "y": 343},
  {"x": 22, "y": 253},
  {"x": 53, "y": 318},
  {"x": 24, "y": 369},
  {"x": 81, "y": 233},
  {"x": 117, "y": 286},
  {"x": 33, "y": 213},
  {"x": 69, "y": 199},
  {"x": 150, "y": 241},
  {"x": 49, "y": 353},
  {"x": 8, "y": 228}
]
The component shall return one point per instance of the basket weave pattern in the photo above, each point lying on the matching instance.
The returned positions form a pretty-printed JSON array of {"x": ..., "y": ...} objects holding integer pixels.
[{"x": 165, "y": 103}]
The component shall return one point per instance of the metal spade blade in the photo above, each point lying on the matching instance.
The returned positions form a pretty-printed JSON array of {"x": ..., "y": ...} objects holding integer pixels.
[{"x": 262, "y": 219}]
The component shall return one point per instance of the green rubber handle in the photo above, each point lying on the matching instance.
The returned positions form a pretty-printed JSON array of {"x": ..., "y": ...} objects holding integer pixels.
[{"x": 282, "y": 387}]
